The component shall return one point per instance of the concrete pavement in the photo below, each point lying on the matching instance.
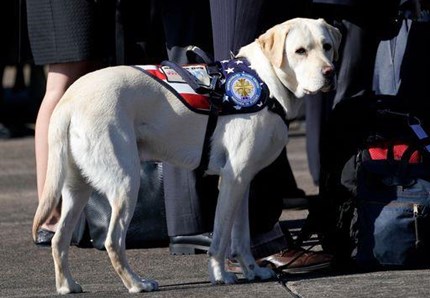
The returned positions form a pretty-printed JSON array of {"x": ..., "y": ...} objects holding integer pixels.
[{"x": 27, "y": 271}]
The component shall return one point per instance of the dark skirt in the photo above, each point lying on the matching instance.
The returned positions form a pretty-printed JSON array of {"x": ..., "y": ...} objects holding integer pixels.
[{"x": 69, "y": 30}]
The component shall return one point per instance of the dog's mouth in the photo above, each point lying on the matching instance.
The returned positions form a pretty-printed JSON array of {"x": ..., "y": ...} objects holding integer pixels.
[
  {"x": 325, "y": 84},
  {"x": 328, "y": 88},
  {"x": 329, "y": 84},
  {"x": 325, "y": 88},
  {"x": 309, "y": 92}
]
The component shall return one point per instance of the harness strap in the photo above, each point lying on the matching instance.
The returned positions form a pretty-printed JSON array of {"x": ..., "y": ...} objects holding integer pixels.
[
  {"x": 197, "y": 55},
  {"x": 275, "y": 107},
  {"x": 210, "y": 128},
  {"x": 215, "y": 99}
]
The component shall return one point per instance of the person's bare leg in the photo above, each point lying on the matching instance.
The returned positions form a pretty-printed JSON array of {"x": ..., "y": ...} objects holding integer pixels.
[{"x": 60, "y": 77}]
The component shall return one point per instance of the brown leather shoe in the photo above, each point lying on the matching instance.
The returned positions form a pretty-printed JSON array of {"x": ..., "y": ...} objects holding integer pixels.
[
  {"x": 291, "y": 261},
  {"x": 298, "y": 260}
]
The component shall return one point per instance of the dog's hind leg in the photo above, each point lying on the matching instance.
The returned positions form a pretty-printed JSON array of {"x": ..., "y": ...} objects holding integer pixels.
[
  {"x": 241, "y": 245},
  {"x": 75, "y": 195},
  {"x": 123, "y": 201}
]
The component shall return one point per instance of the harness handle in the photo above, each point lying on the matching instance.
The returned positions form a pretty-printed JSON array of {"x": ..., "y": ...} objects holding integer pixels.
[
  {"x": 415, "y": 124},
  {"x": 195, "y": 53}
]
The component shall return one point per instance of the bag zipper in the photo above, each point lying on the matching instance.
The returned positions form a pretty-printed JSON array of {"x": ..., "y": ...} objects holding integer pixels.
[{"x": 417, "y": 214}]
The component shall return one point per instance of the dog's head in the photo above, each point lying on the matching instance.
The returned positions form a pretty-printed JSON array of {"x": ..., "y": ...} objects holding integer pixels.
[{"x": 302, "y": 52}]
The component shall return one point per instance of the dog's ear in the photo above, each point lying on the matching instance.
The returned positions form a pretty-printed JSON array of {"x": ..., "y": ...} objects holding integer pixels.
[
  {"x": 272, "y": 42},
  {"x": 336, "y": 37}
]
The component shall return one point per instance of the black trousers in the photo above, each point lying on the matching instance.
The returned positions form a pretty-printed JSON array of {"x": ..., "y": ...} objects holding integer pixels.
[{"x": 355, "y": 67}]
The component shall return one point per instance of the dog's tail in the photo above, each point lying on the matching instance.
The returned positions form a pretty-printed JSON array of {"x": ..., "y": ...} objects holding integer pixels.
[{"x": 56, "y": 172}]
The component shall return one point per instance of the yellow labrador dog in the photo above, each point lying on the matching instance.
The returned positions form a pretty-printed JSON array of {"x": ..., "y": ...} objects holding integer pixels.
[{"x": 112, "y": 118}]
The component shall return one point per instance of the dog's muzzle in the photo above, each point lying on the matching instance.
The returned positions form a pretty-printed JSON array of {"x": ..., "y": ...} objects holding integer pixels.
[{"x": 329, "y": 79}]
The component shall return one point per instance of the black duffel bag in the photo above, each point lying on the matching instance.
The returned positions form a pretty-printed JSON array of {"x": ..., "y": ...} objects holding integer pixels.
[{"x": 148, "y": 226}]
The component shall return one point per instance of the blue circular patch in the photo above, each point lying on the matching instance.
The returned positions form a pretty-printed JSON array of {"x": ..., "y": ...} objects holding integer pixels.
[{"x": 244, "y": 89}]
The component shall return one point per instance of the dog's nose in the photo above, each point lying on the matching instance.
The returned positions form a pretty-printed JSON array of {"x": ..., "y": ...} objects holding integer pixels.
[{"x": 328, "y": 71}]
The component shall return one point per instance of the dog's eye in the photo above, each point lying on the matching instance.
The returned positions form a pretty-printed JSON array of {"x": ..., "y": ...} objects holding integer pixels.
[
  {"x": 301, "y": 51},
  {"x": 327, "y": 47}
]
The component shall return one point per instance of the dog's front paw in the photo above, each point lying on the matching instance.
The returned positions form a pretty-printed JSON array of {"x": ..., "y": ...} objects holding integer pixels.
[
  {"x": 72, "y": 287},
  {"x": 218, "y": 275},
  {"x": 264, "y": 273},
  {"x": 250, "y": 270},
  {"x": 145, "y": 285}
]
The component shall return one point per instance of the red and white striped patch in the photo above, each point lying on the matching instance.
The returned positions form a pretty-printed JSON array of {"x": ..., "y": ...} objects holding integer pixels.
[{"x": 173, "y": 79}]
